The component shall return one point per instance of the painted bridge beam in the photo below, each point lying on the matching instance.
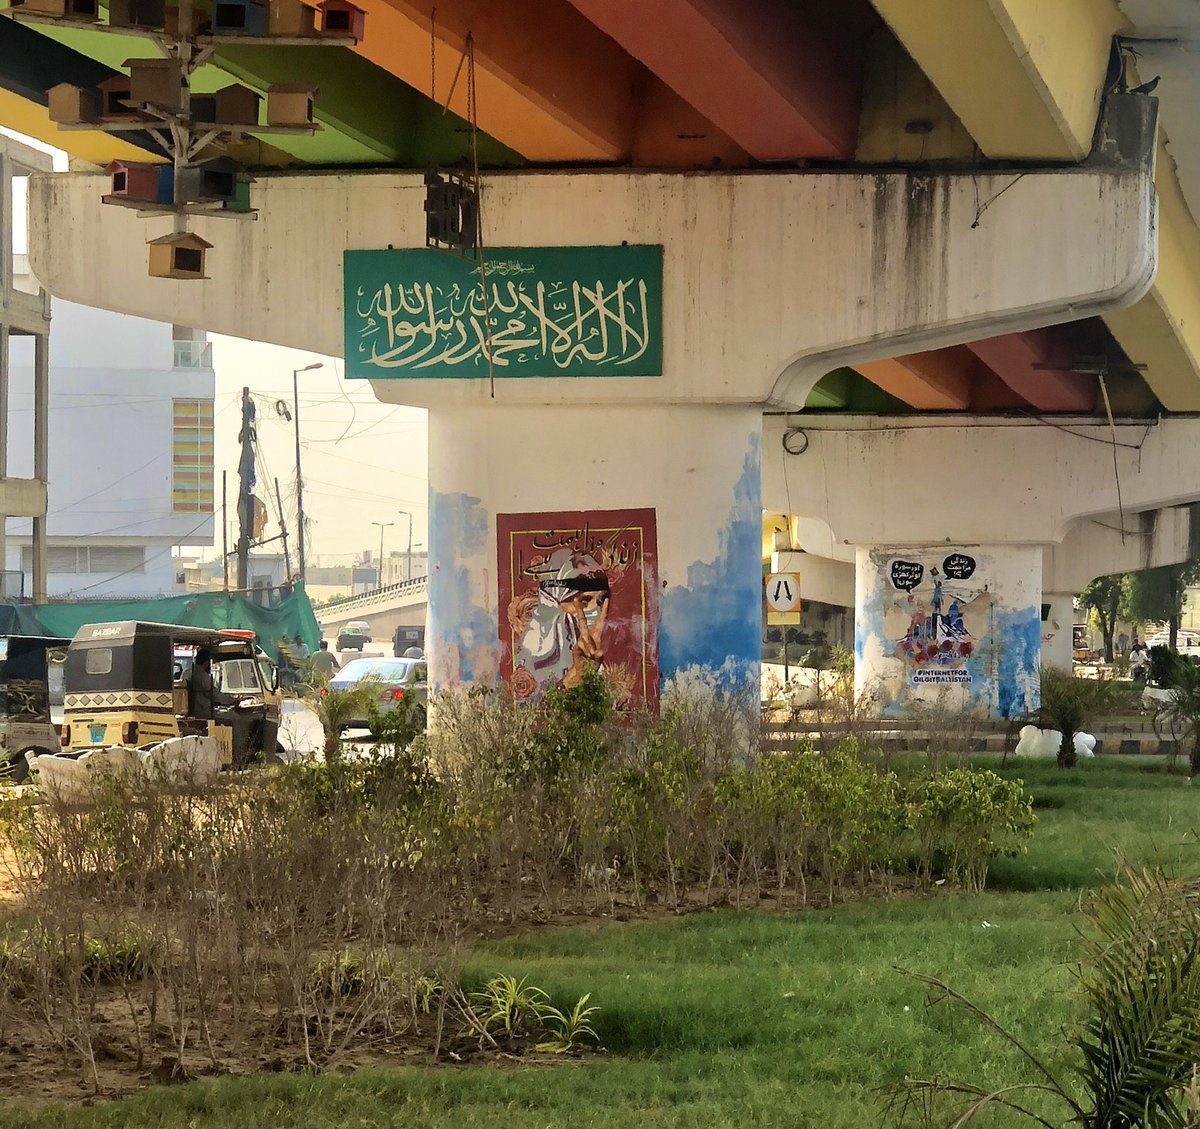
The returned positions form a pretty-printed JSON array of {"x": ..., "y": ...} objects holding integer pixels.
[
  {"x": 1023, "y": 360},
  {"x": 790, "y": 75},
  {"x": 1030, "y": 88}
]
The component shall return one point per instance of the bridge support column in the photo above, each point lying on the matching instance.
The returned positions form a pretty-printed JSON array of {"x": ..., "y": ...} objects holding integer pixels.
[
  {"x": 627, "y": 535},
  {"x": 958, "y": 625},
  {"x": 1057, "y": 630}
]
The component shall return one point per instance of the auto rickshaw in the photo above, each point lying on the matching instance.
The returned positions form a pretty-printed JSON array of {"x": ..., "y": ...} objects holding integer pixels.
[
  {"x": 1081, "y": 643},
  {"x": 127, "y": 684},
  {"x": 26, "y": 662}
]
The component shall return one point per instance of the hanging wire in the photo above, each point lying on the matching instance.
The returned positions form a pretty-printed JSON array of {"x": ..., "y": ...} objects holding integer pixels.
[
  {"x": 473, "y": 121},
  {"x": 1112, "y": 427}
]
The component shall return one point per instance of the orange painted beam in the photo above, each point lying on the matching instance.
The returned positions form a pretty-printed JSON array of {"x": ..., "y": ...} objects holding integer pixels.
[
  {"x": 1019, "y": 359},
  {"x": 937, "y": 381},
  {"x": 782, "y": 79}
]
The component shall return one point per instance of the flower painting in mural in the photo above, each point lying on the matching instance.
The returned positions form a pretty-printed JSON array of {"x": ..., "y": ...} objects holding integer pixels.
[
  {"x": 579, "y": 589},
  {"x": 938, "y": 617}
]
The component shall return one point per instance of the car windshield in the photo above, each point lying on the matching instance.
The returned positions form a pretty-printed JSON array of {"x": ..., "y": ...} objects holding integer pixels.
[{"x": 380, "y": 670}]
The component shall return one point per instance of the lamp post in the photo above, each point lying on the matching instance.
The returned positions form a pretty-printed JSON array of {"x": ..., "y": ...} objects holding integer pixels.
[
  {"x": 300, "y": 481},
  {"x": 382, "y": 526},
  {"x": 408, "y": 562}
]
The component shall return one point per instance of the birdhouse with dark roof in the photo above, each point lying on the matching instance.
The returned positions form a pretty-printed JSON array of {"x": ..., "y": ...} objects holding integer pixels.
[
  {"x": 137, "y": 13},
  {"x": 54, "y": 8},
  {"x": 239, "y": 17},
  {"x": 156, "y": 81},
  {"x": 341, "y": 18},
  {"x": 206, "y": 182},
  {"x": 134, "y": 180},
  {"x": 73, "y": 105},
  {"x": 290, "y": 103},
  {"x": 180, "y": 255},
  {"x": 116, "y": 97},
  {"x": 292, "y": 18},
  {"x": 237, "y": 105}
]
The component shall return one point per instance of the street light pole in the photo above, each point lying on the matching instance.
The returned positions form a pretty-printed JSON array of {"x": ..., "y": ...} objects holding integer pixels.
[
  {"x": 408, "y": 563},
  {"x": 299, "y": 480},
  {"x": 382, "y": 526}
]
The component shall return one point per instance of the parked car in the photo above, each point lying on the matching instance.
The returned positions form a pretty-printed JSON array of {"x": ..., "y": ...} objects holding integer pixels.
[
  {"x": 397, "y": 679},
  {"x": 351, "y": 638},
  {"x": 1186, "y": 642}
]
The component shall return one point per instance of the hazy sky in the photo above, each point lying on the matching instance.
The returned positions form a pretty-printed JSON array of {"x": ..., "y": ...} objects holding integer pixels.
[{"x": 362, "y": 461}]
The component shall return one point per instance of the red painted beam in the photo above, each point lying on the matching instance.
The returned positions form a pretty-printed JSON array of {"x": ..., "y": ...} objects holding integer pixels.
[
  {"x": 782, "y": 79},
  {"x": 1018, "y": 359}
]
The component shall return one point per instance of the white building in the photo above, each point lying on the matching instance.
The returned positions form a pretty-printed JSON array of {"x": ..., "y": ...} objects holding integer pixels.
[{"x": 131, "y": 452}]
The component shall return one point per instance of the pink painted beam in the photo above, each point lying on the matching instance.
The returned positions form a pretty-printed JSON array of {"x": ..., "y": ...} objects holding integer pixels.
[
  {"x": 1016, "y": 358},
  {"x": 782, "y": 79}
]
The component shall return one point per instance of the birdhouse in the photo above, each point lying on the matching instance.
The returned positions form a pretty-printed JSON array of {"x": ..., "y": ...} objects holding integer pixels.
[
  {"x": 56, "y": 8},
  {"x": 239, "y": 17},
  {"x": 206, "y": 181},
  {"x": 200, "y": 22},
  {"x": 73, "y": 105},
  {"x": 291, "y": 18},
  {"x": 237, "y": 105},
  {"x": 180, "y": 255},
  {"x": 204, "y": 107},
  {"x": 137, "y": 13},
  {"x": 340, "y": 17},
  {"x": 115, "y": 92},
  {"x": 83, "y": 10},
  {"x": 290, "y": 103},
  {"x": 157, "y": 81},
  {"x": 132, "y": 180}
]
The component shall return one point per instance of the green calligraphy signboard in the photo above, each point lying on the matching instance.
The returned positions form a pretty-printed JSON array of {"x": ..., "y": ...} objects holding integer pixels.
[{"x": 537, "y": 311}]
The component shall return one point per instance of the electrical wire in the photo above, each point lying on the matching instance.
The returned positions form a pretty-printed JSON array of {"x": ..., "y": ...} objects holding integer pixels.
[
  {"x": 115, "y": 481},
  {"x": 136, "y": 568}
]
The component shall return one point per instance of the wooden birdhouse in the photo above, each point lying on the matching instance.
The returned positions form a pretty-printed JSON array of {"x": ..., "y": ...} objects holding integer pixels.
[
  {"x": 291, "y": 18},
  {"x": 237, "y": 105},
  {"x": 157, "y": 81},
  {"x": 204, "y": 107},
  {"x": 137, "y": 13},
  {"x": 209, "y": 181},
  {"x": 83, "y": 10},
  {"x": 133, "y": 180},
  {"x": 180, "y": 255},
  {"x": 290, "y": 103},
  {"x": 239, "y": 17},
  {"x": 55, "y": 8},
  {"x": 115, "y": 92},
  {"x": 340, "y": 17},
  {"x": 200, "y": 22},
  {"x": 73, "y": 105}
]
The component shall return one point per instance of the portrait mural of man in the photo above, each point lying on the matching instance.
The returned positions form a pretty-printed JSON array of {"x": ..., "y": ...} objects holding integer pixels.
[{"x": 579, "y": 589}]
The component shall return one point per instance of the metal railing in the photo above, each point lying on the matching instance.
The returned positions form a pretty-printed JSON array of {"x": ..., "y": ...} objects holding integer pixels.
[{"x": 411, "y": 587}]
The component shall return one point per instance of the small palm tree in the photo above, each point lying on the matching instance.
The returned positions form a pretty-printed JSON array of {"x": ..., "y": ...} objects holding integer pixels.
[
  {"x": 337, "y": 708},
  {"x": 1184, "y": 705},
  {"x": 1068, "y": 703},
  {"x": 1139, "y": 1044}
]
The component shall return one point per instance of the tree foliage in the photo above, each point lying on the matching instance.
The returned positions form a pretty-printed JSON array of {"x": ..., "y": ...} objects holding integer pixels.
[
  {"x": 1156, "y": 595},
  {"x": 1106, "y": 597}
]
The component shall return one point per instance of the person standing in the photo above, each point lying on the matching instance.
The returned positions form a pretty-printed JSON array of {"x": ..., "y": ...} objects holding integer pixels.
[
  {"x": 323, "y": 661},
  {"x": 300, "y": 648}
]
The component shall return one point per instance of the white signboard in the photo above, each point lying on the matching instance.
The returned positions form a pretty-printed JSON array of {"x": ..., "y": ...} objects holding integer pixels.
[{"x": 783, "y": 591}]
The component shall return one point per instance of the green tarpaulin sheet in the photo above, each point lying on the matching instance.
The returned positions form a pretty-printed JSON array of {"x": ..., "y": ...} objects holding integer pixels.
[{"x": 292, "y": 615}]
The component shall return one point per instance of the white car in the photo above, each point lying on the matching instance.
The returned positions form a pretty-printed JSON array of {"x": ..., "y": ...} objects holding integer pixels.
[{"x": 1186, "y": 642}]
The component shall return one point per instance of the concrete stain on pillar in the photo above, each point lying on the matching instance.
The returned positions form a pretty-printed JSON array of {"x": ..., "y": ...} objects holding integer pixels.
[
  {"x": 712, "y": 626},
  {"x": 463, "y": 648}
]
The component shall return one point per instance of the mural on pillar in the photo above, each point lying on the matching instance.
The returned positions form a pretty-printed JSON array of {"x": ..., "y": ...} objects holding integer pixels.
[
  {"x": 933, "y": 622},
  {"x": 577, "y": 588}
]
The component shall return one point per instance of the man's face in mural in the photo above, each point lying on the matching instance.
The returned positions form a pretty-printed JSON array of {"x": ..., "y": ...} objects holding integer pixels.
[{"x": 587, "y": 612}]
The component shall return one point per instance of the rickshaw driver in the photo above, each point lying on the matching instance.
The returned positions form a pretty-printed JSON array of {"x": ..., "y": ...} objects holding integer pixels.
[{"x": 205, "y": 698}]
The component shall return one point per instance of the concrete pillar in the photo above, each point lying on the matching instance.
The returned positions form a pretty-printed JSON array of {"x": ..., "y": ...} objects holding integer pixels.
[
  {"x": 1057, "y": 630},
  {"x": 628, "y": 533},
  {"x": 954, "y": 624}
]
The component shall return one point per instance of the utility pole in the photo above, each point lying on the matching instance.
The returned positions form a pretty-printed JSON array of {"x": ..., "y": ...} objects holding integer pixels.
[
  {"x": 408, "y": 562},
  {"x": 299, "y": 480},
  {"x": 287, "y": 560},
  {"x": 382, "y": 526},
  {"x": 225, "y": 529},
  {"x": 245, "y": 506}
]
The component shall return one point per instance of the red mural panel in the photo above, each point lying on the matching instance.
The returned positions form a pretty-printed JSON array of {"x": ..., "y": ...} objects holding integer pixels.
[{"x": 578, "y": 587}]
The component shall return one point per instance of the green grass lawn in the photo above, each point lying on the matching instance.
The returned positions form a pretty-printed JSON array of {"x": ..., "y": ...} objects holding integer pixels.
[{"x": 731, "y": 1019}]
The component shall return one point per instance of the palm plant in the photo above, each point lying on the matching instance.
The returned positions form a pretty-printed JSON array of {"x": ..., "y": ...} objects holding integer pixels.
[
  {"x": 1139, "y": 1045},
  {"x": 337, "y": 708},
  {"x": 1068, "y": 703},
  {"x": 1184, "y": 707}
]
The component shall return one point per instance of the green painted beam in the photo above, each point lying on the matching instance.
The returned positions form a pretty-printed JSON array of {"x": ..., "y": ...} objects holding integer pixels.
[{"x": 845, "y": 390}]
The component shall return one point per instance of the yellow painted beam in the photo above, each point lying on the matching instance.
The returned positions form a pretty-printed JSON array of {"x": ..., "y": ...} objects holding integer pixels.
[
  {"x": 1024, "y": 76},
  {"x": 1163, "y": 330},
  {"x": 33, "y": 120}
]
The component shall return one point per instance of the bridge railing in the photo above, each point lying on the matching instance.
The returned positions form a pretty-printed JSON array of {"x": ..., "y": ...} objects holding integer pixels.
[{"x": 411, "y": 587}]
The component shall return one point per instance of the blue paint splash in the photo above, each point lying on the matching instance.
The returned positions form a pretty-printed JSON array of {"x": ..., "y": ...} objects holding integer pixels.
[
  {"x": 1019, "y": 635},
  {"x": 458, "y": 530},
  {"x": 713, "y": 625}
]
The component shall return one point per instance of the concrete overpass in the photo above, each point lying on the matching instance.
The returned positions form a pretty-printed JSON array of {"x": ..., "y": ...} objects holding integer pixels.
[
  {"x": 896, "y": 208},
  {"x": 394, "y": 605}
]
